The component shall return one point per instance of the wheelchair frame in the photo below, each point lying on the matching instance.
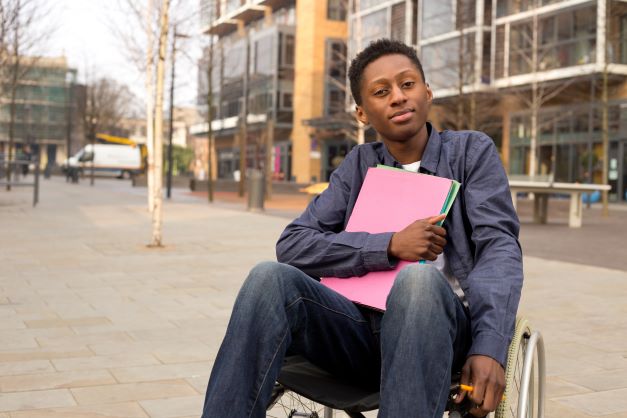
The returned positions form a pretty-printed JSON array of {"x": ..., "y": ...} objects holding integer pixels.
[{"x": 532, "y": 356}]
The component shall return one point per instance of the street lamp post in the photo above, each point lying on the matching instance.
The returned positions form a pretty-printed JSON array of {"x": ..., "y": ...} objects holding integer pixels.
[{"x": 172, "y": 79}]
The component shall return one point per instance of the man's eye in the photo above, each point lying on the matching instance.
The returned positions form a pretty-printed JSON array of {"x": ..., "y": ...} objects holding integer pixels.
[
  {"x": 409, "y": 83},
  {"x": 380, "y": 92}
]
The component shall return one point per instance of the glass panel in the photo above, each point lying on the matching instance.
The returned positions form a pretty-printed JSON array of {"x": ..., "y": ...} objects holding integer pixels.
[
  {"x": 466, "y": 14},
  {"x": 397, "y": 26},
  {"x": 438, "y": 17},
  {"x": 374, "y": 26},
  {"x": 289, "y": 50},
  {"x": 508, "y": 7},
  {"x": 486, "y": 59},
  {"x": 234, "y": 60},
  {"x": 518, "y": 160},
  {"x": 521, "y": 41},
  {"x": 263, "y": 56},
  {"x": 336, "y": 9},
  {"x": 367, "y": 4},
  {"x": 500, "y": 52},
  {"x": 440, "y": 67},
  {"x": 618, "y": 34},
  {"x": 562, "y": 161}
]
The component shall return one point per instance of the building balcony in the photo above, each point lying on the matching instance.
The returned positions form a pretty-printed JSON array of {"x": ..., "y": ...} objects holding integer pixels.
[
  {"x": 222, "y": 27},
  {"x": 247, "y": 13},
  {"x": 251, "y": 12},
  {"x": 273, "y": 4}
]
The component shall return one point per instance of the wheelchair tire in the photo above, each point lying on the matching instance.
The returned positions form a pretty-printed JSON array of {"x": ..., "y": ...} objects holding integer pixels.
[
  {"x": 508, "y": 408},
  {"x": 288, "y": 404}
]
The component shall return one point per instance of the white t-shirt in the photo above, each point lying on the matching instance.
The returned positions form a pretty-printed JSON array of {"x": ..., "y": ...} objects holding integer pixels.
[{"x": 441, "y": 263}]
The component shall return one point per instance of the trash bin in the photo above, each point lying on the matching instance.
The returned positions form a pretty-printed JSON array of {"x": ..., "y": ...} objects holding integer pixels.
[{"x": 256, "y": 190}]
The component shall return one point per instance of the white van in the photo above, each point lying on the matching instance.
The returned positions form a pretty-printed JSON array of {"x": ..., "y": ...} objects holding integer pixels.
[{"x": 123, "y": 161}]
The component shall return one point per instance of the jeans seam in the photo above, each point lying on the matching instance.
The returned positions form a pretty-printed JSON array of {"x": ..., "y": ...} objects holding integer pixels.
[
  {"x": 289, "y": 305},
  {"x": 266, "y": 373}
]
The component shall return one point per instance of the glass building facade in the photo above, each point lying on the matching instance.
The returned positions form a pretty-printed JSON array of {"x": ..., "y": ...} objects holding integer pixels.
[
  {"x": 43, "y": 102},
  {"x": 252, "y": 82},
  {"x": 495, "y": 51}
]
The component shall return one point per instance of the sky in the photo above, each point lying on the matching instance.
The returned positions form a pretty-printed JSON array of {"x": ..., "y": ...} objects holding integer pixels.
[{"x": 85, "y": 34}]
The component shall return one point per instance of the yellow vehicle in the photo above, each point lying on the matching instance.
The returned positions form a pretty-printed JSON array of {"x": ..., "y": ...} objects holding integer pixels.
[{"x": 111, "y": 139}]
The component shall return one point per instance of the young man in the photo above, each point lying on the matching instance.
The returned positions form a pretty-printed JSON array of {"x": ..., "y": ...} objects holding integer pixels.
[{"x": 456, "y": 312}]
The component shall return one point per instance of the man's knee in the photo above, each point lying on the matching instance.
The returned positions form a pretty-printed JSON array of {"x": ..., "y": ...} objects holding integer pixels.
[
  {"x": 417, "y": 285},
  {"x": 268, "y": 279}
]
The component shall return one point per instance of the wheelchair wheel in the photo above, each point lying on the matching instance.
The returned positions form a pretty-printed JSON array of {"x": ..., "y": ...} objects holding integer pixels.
[
  {"x": 520, "y": 375},
  {"x": 288, "y": 404}
]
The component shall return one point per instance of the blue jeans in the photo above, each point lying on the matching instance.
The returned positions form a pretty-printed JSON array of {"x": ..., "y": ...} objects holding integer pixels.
[{"x": 408, "y": 352}]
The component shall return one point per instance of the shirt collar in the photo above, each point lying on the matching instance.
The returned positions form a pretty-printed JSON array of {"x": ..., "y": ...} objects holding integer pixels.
[{"x": 430, "y": 157}]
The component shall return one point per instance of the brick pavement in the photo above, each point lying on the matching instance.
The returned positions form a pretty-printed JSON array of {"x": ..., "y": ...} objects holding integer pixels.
[{"x": 94, "y": 324}]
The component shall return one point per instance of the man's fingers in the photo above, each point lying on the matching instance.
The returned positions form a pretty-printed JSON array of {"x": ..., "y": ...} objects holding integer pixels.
[
  {"x": 463, "y": 380},
  {"x": 489, "y": 401},
  {"x": 479, "y": 411},
  {"x": 478, "y": 393},
  {"x": 435, "y": 219},
  {"x": 438, "y": 240}
]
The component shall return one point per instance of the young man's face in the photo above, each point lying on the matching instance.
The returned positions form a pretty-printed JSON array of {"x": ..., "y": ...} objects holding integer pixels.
[{"x": 395, "y": 100}]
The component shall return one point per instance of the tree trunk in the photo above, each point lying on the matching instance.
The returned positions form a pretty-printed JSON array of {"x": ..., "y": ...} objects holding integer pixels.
[
  {"x": 150, "y": 138},
  {"x": 15, "y": 66},
  {"x": 158, "y": 155},
  {"x": 210, "y": 114}
]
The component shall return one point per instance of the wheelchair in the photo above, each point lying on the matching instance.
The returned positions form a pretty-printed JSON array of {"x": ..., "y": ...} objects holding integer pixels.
[{"x": 304, "y": 390}]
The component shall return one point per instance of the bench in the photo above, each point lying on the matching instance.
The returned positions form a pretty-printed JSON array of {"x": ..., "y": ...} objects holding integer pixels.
[
  {"x": 543, "y": 188},
  {"x": 314, "y": 189}
]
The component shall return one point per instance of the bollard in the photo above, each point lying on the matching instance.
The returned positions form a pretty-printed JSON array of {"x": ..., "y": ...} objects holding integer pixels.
[{"x": 255, "y": 190}]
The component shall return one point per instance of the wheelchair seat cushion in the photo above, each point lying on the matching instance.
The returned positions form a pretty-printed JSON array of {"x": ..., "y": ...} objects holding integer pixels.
[{"x": 310, "y": 381}]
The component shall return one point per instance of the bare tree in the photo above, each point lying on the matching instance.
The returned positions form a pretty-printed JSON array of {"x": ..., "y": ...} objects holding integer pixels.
[
  {"x": 105, "y": 104},
  {"x": 158, "y": 155},
  {"x": 21, "y": 31}
]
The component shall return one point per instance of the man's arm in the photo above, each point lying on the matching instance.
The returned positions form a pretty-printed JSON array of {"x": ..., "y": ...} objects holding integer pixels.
[
  {"x": 493, "y": 286},
  {"x": 316, "y": 242}
]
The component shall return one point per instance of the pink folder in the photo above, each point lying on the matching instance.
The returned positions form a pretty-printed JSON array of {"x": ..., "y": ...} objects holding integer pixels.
[{"x": 389, "y": 201}]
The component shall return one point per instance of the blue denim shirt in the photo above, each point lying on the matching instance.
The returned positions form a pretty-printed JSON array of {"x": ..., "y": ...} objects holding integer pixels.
[{"x": 482, "y": 248}]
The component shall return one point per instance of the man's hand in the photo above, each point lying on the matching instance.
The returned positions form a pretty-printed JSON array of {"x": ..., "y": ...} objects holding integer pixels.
[
  {"x": 421, "y": 240},
  {"x": 487, "y": 378}
]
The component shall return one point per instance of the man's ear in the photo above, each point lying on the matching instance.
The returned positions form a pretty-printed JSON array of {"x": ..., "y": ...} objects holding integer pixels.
[
  {"x": 429, "y": 94},
  {"x": 361, "y": 115}
]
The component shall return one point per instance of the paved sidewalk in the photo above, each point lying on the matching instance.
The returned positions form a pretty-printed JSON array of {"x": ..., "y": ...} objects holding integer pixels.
[{"x": 94, "y": 324}]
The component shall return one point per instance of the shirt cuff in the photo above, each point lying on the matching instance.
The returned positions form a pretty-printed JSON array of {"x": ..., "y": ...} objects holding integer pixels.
[
  {"x": 375, "y": 252},
  {"x": 491, "y": 344}
]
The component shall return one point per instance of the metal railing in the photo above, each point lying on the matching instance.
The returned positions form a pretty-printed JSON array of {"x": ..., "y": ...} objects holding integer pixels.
[{"x": 14, "y": 172}]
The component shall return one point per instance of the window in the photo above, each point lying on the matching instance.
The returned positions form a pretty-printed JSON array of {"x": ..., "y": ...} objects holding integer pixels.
[
  {"x": 288, "y": 46},
  {"x": 336, "y": 9},
  {"x": 374, "y": 26},
  {"x": 438, "y": 17},
  {"x": 263, "y": 64},
  {"x": 234, "y": 60},
  {"x": 567, "y": 39},
  {"x": 508, "y": 7},
  {"x": 441, "y": 62},
  {"x": 335, "y": 80},
  {"x": 397, "y": 26},
  {"x": 520, "y": 51},
  {"x": 287, "y": 100}
]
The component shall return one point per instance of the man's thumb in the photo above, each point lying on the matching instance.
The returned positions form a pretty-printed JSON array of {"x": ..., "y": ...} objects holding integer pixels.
[{"x": 435, "y": 219}]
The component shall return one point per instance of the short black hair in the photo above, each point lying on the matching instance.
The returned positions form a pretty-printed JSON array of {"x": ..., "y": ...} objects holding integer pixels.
[{"x": 376, "y": 50}]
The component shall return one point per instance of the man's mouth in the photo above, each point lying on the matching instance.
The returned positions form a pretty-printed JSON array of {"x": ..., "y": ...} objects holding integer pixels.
[{"x": 402, "y": 115}]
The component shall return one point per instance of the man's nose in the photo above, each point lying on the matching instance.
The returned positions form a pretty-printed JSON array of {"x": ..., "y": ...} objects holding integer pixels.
[{"x": 398, "y": 95}]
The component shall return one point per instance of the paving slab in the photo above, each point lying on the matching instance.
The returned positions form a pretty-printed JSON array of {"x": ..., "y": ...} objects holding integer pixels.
[{"x": 95, "y": 324}]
